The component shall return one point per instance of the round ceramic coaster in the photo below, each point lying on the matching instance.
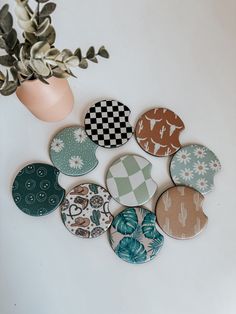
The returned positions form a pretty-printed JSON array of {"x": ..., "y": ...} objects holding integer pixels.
[
  {"x": 129, "y": 180},
  {"x": 36, "y": 190},
  {"x": 158, "y": 130},
  {"x": 134, "y": 237},
  {"x": 107, "y": 124},
  {"x": 72, "y": 152},
  {"x": 85, "y": 210},
  {"x": 179, "y": 212},
  {"x": 195, "y": 166}
]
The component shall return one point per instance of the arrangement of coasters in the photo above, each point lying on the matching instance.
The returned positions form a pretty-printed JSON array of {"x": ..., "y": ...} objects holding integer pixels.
[{"x": 133, "y": 233}]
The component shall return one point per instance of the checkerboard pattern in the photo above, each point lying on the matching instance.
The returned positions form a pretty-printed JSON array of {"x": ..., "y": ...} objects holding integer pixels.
[
  {"x": 129, "y": 180},
  {"x": 107, "y": 124}
]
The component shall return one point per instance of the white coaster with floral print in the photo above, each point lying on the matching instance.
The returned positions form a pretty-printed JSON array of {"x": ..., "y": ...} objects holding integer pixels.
[
  {"x": 85, "y": 210},
  {"x": 72, "y": 151},
  {"x": 195, "y": 166}
]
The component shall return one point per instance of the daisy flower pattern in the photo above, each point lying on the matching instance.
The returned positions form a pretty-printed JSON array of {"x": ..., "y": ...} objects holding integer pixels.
[
  {"x": 200, "y": 152},
  {"x": 215, "y": 165},
  {"x": 195, "y": 166},
  {"x": 202, "y": 184},
  {"x": 80, "y": 135},
  {"x": 183, "y": 156},
  {"x": 186, "y": 174},
  {"x": 57, "y": 145},
  {"x": 72, "y": 152},
  {"x": 200, "y": 167},
  {"x": 76, "y": 162}
]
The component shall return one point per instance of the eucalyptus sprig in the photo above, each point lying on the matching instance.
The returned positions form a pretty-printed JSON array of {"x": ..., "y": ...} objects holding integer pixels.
[{"x": 36, "y": 57}]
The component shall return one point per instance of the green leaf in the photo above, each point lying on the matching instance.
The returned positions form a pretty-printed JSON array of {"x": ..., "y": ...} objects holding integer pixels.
[
  {"x": 7, "y": 60},
  {"x": 90, "y": 53},
  {"x": 4, "y": 11},
  {"x": 95, "y": 60},
  {"x": 83, "y": 63},
  {"x": 126, "y": 221},
  {"x": 7, "y": 23},
  {"x": 28, "y": 26},
  {"x": 102, "y": 52},
  {"x": 32, "y": 39},
  {"x": 39, "y": 49},
  {"x": 2, "y": 43},
  {"x": 131, "y": 250},
  {"x": 14, "y": 74},
  {"x": 11, "y": 39},
  {"x": 72, "y": 61},
  {"x": 149, "y": 226},
  {"x": 95, "y": 217},
  {"x": 93, "y": 188},
  {"x": 48, "y": 9},
  {"x": 156, "y": 245},
  {"x": 49, "y": 35},
  {"x": 52, "y": 53},
  {"x": 43, "y": 27},
  {"x": 10, "y": 88},
  {"x": 59, "y": 73},
  {"x": 39, "y": 67},
  {"x": 78, "y": 53}
]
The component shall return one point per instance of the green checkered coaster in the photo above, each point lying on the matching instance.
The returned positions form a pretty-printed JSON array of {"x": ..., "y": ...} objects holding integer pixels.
[{"x": 129, "y": 180}]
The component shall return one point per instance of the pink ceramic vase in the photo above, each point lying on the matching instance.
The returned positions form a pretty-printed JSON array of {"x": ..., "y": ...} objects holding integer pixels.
[{"x": 49, "y": 103}]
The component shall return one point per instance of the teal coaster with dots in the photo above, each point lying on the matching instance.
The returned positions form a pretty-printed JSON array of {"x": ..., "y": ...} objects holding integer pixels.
[{"x": 36, "y": 190}]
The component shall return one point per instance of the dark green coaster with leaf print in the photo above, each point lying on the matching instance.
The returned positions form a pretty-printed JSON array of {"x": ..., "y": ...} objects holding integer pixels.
[
  {"x": 85, "y": 210},
  {"x": 36, "y": 190},
  {"x": 133, "y": 235}
]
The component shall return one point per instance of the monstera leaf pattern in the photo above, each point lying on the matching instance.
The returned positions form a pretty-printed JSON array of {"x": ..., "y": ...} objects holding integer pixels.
[
  {"x": 126, "y": 222},
  {"x": 134, "y": 237}
]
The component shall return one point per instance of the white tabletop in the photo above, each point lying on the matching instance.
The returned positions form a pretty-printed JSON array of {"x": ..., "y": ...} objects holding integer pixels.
[{"x": 177, "y": 54}]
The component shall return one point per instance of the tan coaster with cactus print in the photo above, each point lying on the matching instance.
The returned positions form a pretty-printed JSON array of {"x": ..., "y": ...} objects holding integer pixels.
[
  {"x": 85, "y": 210},
  {"x": 179, "y": 212}
]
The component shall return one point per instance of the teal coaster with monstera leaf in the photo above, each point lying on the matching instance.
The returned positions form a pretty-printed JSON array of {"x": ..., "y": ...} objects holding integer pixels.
[
  {"x": 36, "y": 190},
  {"x": 133, "y": 235},
  {"x": 72, "y": 152}
]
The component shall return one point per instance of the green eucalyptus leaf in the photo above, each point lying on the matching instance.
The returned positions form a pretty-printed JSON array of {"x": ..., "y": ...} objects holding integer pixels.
[
  {"x": 83, "y": 63},
  {"x": 28, "y": 26},
  {"x": 21, "y": 13},
  {"x": 5, "y": 81},
  {"x": 49, "y": 35},
  {"x": 2, "y": 43},
  {"x": 65, "y": 54},
  {"x": 23, "y": 69},
  {"x": 78, "y": 53},
  {"x": 39, "y": 49},
  {"x": 102, "y": 52},
  {"x": 14, "y": 74},
  {"x": 42, "y": 79},
  {"x": 90, "y": 53},
  {"x": 71, "y": 73},
  {"x": 2, "y": 76},
  {"x": 4, "y": 11},
  {"x": 52, "y": 53},
  {"x": 57, "y": 72},
  {"x": 72, "y": 61},
  {"x": 9, "y": 89},
  {"x": 6, "y": 23},
  {"x": 48, "y": 9},
  {"x": 22, "y": 3},
  {"x": 7, "y": 60},
  {"x": 11, "y": 39},
  {"x": 40, "y": 67},
  {"x": 32, "y": 39},
  {"x": 95, "y": 60},
  {"x": 43, "y": 27}
]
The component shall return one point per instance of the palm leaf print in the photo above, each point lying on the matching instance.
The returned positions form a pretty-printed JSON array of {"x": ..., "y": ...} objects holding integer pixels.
[
  {"x": 126, "y": 221},
  {"x": 156, "y": 244},
  {"x": 149, "y": 226},
  {"x": 131, "y": 251}
]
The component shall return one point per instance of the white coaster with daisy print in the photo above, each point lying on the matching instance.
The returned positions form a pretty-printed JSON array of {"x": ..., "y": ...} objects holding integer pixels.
[
  {"x": 195, "y": 166},
  {"x": 72, "y": 152}
]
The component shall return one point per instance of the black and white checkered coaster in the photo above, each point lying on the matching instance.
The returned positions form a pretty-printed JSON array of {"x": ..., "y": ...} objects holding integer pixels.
[{"x": 107, "y": 124}]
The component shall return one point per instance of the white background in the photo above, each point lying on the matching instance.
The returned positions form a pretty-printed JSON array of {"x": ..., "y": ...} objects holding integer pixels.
[{"x": 175, "y": 53}]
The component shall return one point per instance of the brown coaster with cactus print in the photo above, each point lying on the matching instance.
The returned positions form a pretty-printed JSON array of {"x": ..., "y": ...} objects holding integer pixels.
[
  {"x": 85, "y": 210},
  {"x": 158, "y": 130},
  {"x": 179, "y": 212}
]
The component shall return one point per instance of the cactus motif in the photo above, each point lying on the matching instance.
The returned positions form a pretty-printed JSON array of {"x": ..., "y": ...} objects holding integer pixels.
[
  {"x": 197, "y": 201},
  {"x": 146, "y": 146},
  {"x": 162, "y": 131},
  {"x": 197, "y": 226},
  {"x": 182, "y": 216},
  {"x": 166, "y": 226},
  {"x": 181, "y": 190},
  {"x": 95, "y": 217},
  {"x": 167, "y": 201},
  {"x": 140, "y": 126}
]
